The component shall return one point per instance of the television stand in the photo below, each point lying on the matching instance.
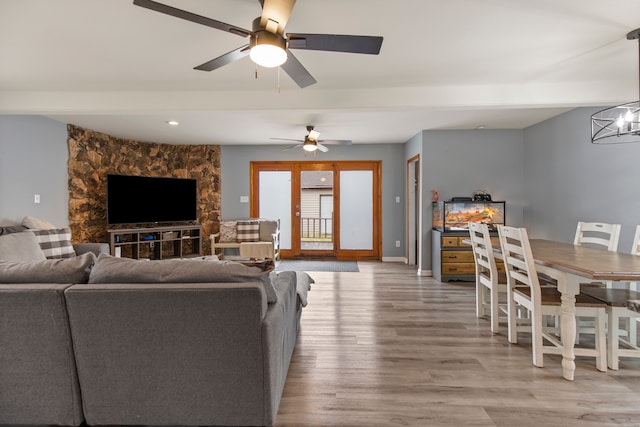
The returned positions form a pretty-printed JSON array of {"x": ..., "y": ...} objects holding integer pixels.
[{"x": 155, "y": 243}]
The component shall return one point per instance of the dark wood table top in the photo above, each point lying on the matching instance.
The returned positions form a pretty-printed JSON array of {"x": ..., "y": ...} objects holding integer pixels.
[{"x": 595, "y": 264}]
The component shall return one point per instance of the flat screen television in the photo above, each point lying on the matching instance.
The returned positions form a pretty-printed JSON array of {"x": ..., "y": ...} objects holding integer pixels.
[{"x": 144, "y": 200}]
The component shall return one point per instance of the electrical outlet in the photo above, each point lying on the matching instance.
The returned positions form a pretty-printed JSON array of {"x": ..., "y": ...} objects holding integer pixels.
[
  {"x": 36, "y": 198},
  {"x": 397, "y": 243}
]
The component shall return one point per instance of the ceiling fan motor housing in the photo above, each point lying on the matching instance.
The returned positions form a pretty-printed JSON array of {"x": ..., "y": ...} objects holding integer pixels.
[{"x": 264, "y": 36}]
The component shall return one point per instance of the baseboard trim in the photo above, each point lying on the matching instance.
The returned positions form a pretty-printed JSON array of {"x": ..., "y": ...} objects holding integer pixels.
[
  {"x": 394, "y": 259},
  {"x": 425, "y": 273}
]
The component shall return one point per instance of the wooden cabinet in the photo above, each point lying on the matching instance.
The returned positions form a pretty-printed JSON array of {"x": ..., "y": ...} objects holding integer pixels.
[
  {"x": 156, "y": 243},
  {"x": 452, "y": 259}
]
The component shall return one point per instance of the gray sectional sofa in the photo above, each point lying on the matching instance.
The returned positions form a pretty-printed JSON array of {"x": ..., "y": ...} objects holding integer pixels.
[{"x": 182, "y": 342}]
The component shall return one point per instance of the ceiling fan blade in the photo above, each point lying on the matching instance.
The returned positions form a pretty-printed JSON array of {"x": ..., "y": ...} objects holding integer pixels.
[
  {"x": 277, "y": 11},
  {"x": 335, "y": 141},
  {"x": 336, "y": 43},
  {"x": 297, "y": 72},
  {"x": 322, "y": 147},
  {"x": 225, "y": 59},
  {"x": 287, "y": 139},
  {"x": 192, "y": 17},
  {"x": 291, "y": 147}
]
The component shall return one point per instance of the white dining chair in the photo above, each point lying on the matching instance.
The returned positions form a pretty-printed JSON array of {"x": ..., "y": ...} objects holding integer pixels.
[
  {"x": 635, "y": 250},
  {"x": 489, "y": 282},
  {"x": 633, "y": 324},
  {"x": 597, "y": 234},
  {"x": 616, "y": 300},
  {"x": 543, "y": 301}
]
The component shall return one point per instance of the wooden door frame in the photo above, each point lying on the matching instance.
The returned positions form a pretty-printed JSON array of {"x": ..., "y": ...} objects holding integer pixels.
[
  {"x": 337, "y": 165},
  {"x": 254, "y": 195}
]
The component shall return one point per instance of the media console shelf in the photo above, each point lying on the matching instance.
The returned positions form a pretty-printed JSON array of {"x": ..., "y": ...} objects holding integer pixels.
[{"x": 156, "y": 243}]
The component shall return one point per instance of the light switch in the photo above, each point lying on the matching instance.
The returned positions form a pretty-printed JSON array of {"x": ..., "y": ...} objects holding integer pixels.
[
  {"x": 397, "y": 199},
  {"x": 36, "y": 198},
  {"x": 244, "y": 199}
]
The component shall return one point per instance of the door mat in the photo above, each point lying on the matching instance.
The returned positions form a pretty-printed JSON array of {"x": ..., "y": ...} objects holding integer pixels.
[{"x": 304, "y": 265}]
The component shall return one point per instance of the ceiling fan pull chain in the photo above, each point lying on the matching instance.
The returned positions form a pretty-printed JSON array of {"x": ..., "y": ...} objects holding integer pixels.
[
  {"x": 256, "y": 71},
  {"x": 278, "y": 80}
]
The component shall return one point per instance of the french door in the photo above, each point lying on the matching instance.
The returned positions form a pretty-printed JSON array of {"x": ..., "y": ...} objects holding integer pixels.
[{"x": 327, "y": 209}]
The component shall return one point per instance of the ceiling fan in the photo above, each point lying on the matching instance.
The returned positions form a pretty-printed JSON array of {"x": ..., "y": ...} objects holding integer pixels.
[
  {"x": 268, "y": 45},
  {"x": 312, "y": 143}
]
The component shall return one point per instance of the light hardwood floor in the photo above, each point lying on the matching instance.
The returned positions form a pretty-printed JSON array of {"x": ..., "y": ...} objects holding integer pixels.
[{"x": 384, "y": 347}]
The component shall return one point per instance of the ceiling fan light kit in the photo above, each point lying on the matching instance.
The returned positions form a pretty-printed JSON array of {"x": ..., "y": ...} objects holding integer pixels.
[
  {"x": 619, "y": 124},
  {"x": 310, "y": 145},
  {"x": 268, "y": 50},
  {"x": 269, "y": 46}
]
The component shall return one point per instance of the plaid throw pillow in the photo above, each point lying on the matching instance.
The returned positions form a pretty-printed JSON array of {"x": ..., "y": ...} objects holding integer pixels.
[
  {"x": 55, "y": 243},
  {"x": 248, "y": 231}
]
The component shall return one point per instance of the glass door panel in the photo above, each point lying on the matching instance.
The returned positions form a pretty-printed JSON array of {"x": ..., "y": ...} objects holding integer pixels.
[
  {"x": 275, "y": 202},
  {"x": 356, "y": 210},
  {"x": 316, "y": 211}
]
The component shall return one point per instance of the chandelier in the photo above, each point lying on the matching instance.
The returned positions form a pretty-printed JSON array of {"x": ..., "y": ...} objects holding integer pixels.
[{"x": 619, "y": 124}]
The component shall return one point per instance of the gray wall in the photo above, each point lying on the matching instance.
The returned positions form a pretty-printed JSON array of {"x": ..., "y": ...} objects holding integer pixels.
[
  {"x": 569, "y": 179},
  {"x": 459, "y": 162},
  {"x": 550, "y": 175},
  {"x": 33, "y": 160},
  {"x": 235, "y": 162}
]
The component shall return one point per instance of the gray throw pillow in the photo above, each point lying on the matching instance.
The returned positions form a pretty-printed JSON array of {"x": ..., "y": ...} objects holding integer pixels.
[
  {"x": 110, "y": 269},
  {"x": 63, "y": 270},
  {"x": 267, "y": 228},
  {"x": 22, "y": 246}
]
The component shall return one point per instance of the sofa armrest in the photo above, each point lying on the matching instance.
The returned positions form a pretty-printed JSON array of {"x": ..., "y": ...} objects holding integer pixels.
[
  {"x": 279, "y": 335},
  {"x": 96, "y": 248}
]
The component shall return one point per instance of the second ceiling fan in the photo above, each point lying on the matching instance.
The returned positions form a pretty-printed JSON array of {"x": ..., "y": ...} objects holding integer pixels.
[
  {"x": 312, "y": 143},
  {"x": 268, "y": 45}
]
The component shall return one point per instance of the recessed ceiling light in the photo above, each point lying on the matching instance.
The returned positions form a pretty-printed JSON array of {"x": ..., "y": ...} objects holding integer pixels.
[
  {"x": 479, "y": 127},
  {"x": 172, "y": 123}
]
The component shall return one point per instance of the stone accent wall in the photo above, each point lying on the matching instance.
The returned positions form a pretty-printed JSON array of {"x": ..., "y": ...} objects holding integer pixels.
[{"x": 93, "y": 155}]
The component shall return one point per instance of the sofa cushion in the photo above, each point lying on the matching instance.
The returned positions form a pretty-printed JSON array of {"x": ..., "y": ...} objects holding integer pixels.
[
  {"x": 8, "y": 229},
  {"x": 64, "y": 270},
  {"x": 228, "y": 232},
  {"x": 248, "y": 230},
  {"x": 55, "y": 242},
  {"x": 22, "y": 246},
  {"x": 110, "y": 269},
  {"x": 267, "y": 228}
]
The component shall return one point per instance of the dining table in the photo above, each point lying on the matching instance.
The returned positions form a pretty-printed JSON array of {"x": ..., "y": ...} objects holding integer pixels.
[{"x": 573, "y": 266}]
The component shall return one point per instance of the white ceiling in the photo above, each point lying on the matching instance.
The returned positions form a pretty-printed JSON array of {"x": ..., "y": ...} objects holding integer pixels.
[{"x": 117, "y": 68}]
